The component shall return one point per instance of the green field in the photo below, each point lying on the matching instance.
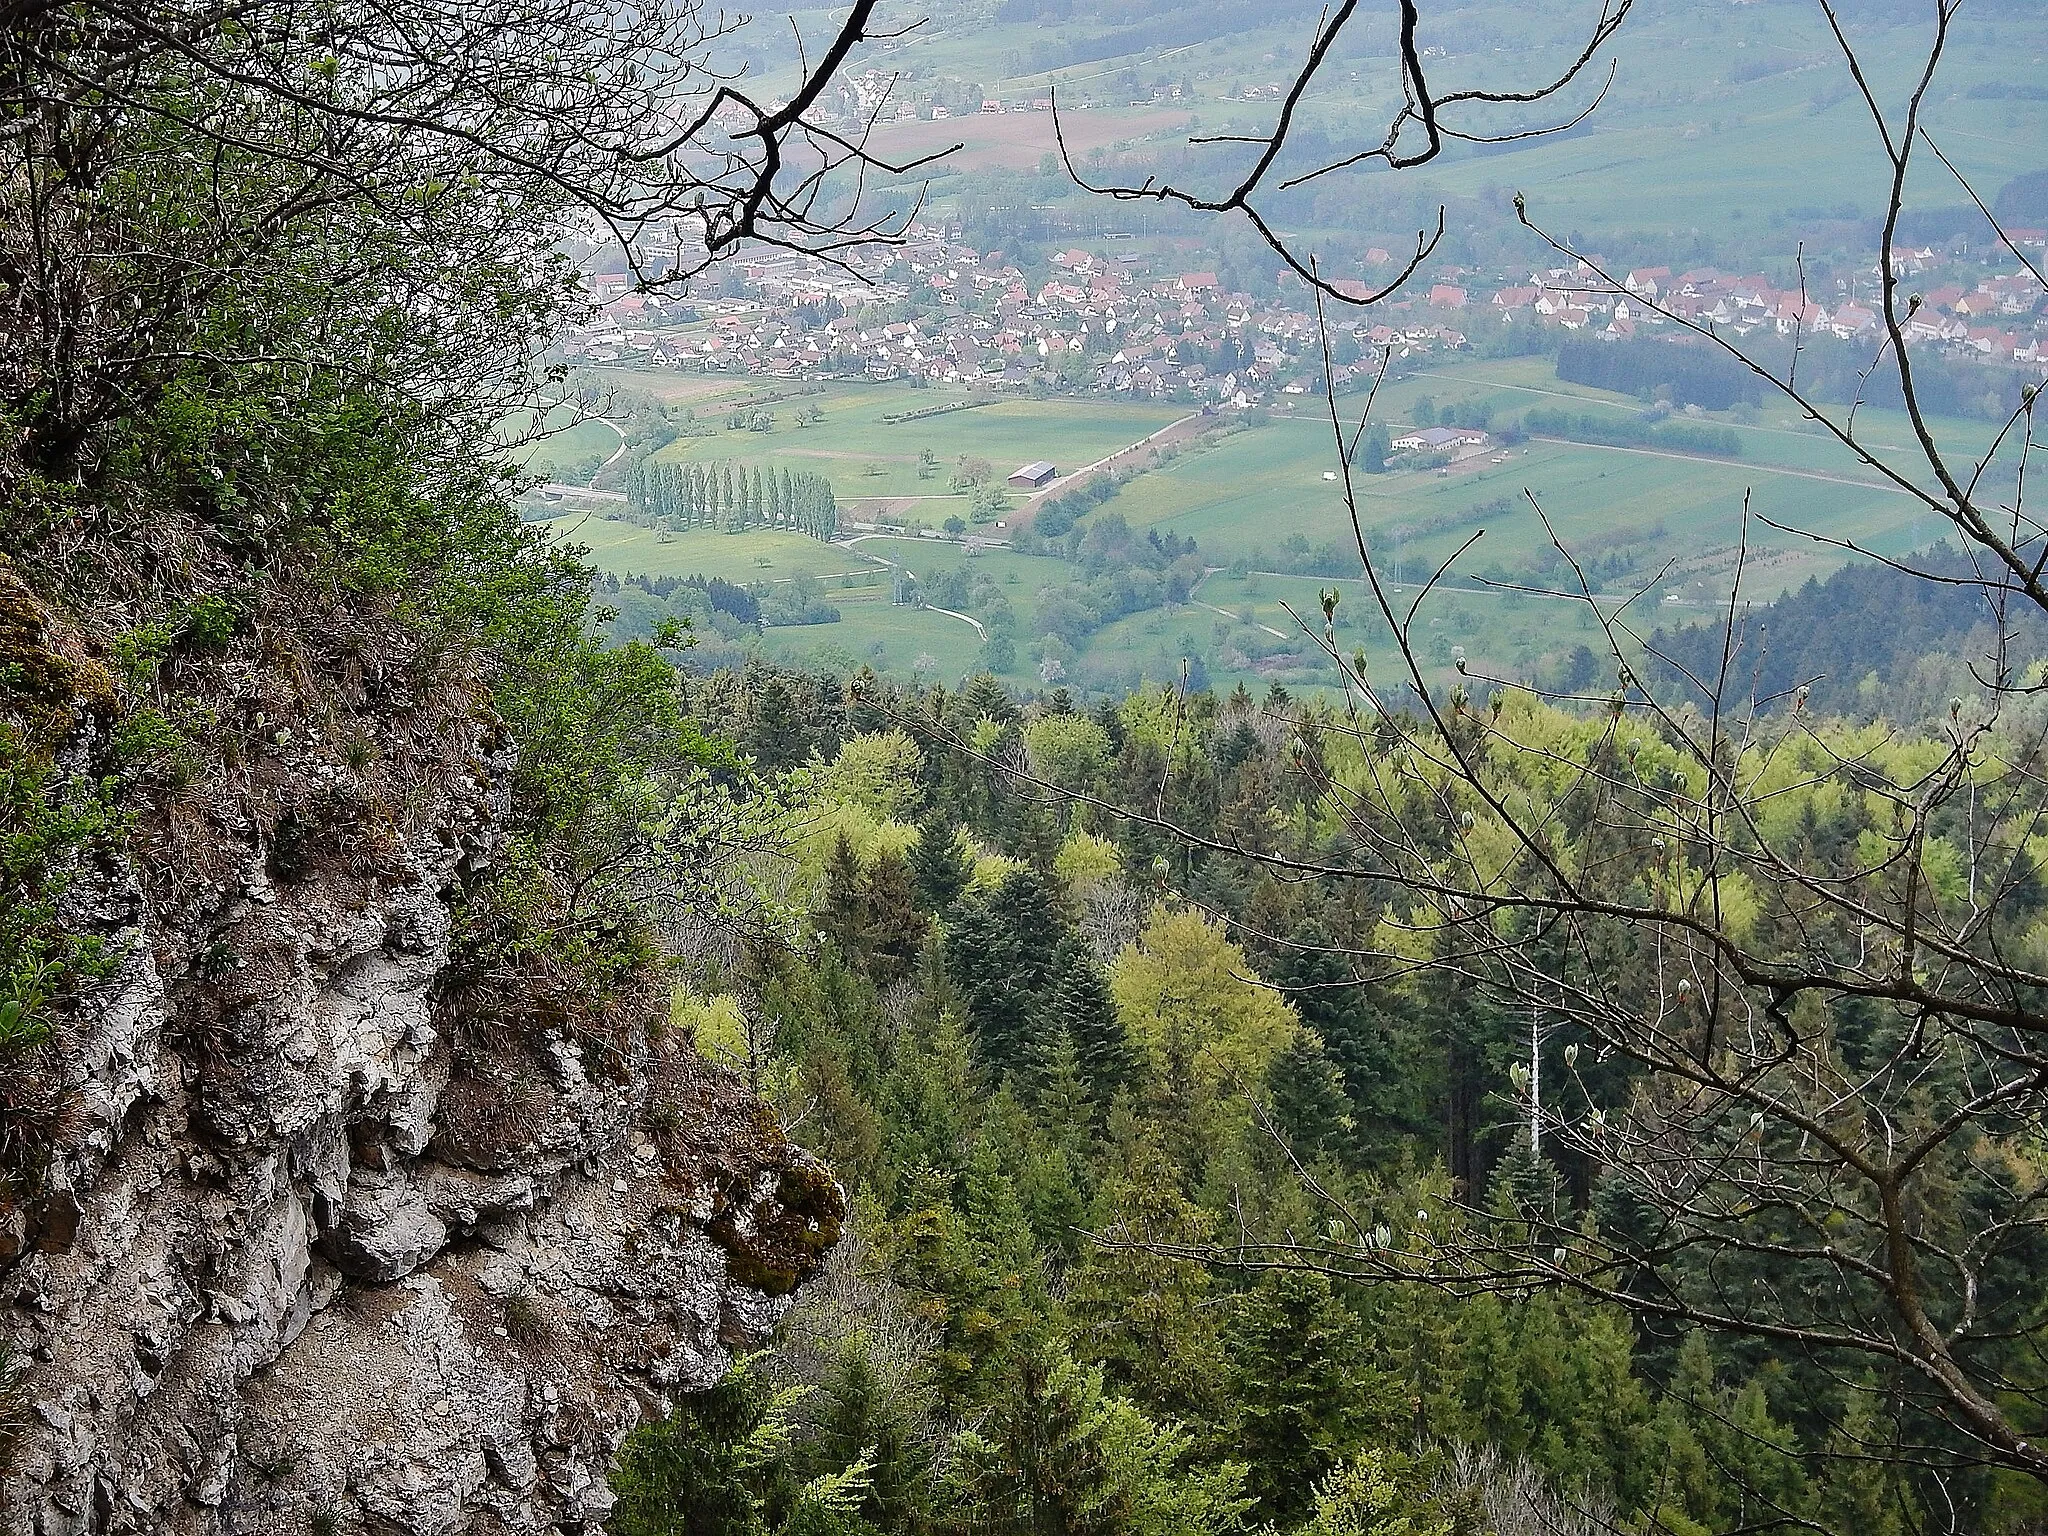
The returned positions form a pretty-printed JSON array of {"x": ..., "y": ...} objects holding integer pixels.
[
  {"x": 874, "y": 633},
  {"x": 625, "y": 549},
  {"x": 1669, "y": 526},
  {"x": 865, "y": 457},
  {"x": 568, "y": 445},
  {"x": 1719, "y": 118}
]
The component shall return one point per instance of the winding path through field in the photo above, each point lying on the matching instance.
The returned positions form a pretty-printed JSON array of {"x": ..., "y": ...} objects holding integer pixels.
[{"x": 896, "y": 565}]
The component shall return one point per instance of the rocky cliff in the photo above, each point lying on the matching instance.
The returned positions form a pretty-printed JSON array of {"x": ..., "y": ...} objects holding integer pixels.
[{"x": 325, "y": 1235}]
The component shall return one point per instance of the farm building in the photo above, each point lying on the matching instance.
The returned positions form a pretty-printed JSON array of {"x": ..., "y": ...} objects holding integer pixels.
[
  {"x": 1437, "y": 439},
  {"x": 1030, "y": 477}
]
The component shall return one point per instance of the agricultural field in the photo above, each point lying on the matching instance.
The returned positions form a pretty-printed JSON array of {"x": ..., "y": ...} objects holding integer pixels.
[
  {"x": 564, "y": 448},
  {"x": 1719, "y": 118},
  {"x": 762, "y": 554},
  {"x": 867, "y": 458},
  {"x": 874, "y": 633},
  {"x": 1663, "y": 527}
]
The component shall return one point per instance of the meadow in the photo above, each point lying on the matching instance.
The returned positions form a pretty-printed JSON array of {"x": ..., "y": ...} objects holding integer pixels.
[
  {"x": 1664, "y": 528},
  {"x": 867, "y": 458},
  {"x": 626, "y": 549}
]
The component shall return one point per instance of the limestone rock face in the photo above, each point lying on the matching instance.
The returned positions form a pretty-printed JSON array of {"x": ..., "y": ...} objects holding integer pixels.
[{"x": 313, "y": 1254}]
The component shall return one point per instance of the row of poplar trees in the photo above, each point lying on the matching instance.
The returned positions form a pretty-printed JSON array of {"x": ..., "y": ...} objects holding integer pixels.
[{"x": 732, "y": 497}]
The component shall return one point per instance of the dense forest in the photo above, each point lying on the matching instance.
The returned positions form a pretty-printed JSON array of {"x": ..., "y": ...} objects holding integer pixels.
[
  {"x": 1873, "y": 640},
  {"x": 1054, "y": 1054}
]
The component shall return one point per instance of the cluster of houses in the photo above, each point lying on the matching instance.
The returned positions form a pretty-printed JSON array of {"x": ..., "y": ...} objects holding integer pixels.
[
  {"x": 957, "y": 315},
  {"x": 880, "y": 97},
  {"x": 2001, "y": 319}
]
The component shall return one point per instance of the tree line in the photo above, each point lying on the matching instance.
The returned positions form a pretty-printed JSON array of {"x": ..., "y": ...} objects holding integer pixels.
[{"x": 731, "y": 497}]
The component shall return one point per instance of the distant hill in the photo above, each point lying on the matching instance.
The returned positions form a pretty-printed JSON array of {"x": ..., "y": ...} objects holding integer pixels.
[{"x": 1867, "y": 619}]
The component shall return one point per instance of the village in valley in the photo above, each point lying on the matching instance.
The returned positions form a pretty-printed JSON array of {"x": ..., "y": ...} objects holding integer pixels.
[{"x": 932, "y": 310}]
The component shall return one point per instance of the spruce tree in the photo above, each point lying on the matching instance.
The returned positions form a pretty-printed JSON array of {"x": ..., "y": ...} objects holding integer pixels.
[
  {"x": 1307, "y": 1393},
  {"x": 1079, "y": 1009},
  {"x": 940, "y": 865},
  {"x": 893, "y": 929},
  {"x": 843, "y": 914},
  {"x": 986, "y": 962},
  {"x": 1059, "y": 1088},
  {"x": 1309, "y": 1106},
  {"x": 1044, "y": 1470}
]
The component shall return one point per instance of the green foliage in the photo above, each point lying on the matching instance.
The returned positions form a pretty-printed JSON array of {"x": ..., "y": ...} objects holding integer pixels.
[
  {"x": 1061, "y": 1457},
  {"x": 715, "y": 1467},
  {"x": 1385, "y": 1493},
  {"x": 49, "y": 822},
  {"x": 1047, "y": 1060}
]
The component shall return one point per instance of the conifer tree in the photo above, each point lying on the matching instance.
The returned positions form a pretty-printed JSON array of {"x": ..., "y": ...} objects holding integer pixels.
[
  {"x": 1080, "y": 1010},
  {"x": 1061, "y": 1096},
  {"x": 985, "y": 960},
  {"x": 1857, "y": 1491},
  {"x": 1307, "y": 1395},
  {"x": 1148, "y": 1319},
  {"x": 1043, "y": 1470},
  {"x": 865, "y": 1416},
  {"x": 1309, "y": 1105},
  {"x": 843, "y": 915},
  {"x": 894, "y": 929},
  {"x": 940, "y": 865}
]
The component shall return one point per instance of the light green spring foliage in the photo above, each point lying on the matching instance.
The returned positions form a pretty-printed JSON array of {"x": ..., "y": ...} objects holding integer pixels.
[
  {"x": 1190, "y": 999},
  {"x": 1086, "y": 863},
  {"x": 1376, "y": 1493},
  {"x": 878, "y": 772},
  {"x": 1068, "y": 750},
  {"x": 1002, "y": 1094}
]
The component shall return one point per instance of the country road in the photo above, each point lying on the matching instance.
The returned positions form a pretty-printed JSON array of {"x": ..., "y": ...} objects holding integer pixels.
[
  {"x": 1074, "y": 475},
  {"x": 1706, "y": 458},
  {"x": 896, "y": 565}
]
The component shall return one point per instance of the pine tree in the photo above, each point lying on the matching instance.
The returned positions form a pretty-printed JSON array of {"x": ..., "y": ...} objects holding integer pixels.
[
  {"x": 864, "y": 1414},
  {"x": 893, "y": 929},
  {"x": 1374, "y": 451},
  {"x": 1080, "y": 1010},
  {"x": 702, "y": 1470},
  {"x": 843, "y": 915},
  {"x": 940, "y": 866}
]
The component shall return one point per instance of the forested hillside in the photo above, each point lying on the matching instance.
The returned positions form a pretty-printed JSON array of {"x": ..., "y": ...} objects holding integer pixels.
[
  {"x": 1873, "y": 641},
  {"x": 1045, "y": 1046}
]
